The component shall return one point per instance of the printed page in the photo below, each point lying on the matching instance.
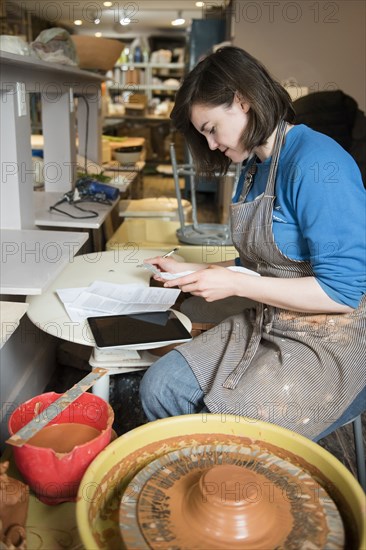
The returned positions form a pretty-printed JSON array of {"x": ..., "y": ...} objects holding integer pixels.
[
  {"x": 170, "y": 276},
  {"x": 102, "y": 298}
]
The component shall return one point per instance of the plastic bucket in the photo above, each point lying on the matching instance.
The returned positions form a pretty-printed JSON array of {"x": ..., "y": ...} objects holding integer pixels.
[{"x": 54, "y": 476}]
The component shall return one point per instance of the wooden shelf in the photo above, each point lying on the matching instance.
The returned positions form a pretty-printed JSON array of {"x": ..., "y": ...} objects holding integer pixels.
[{"x": 120, "y": 83}]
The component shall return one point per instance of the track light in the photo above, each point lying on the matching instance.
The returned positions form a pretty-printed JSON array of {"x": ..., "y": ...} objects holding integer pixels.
[
  {"x": 179, "y": 20},
  {"x": 124, "y": 19}
]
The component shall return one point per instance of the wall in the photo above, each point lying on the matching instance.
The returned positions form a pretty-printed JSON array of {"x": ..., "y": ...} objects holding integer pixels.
[{"x": 321, "y": 43}]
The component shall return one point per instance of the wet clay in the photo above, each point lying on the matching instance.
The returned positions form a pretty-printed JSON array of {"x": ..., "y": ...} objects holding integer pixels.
[
  {"x": 106, "y": 499},
  {"x": 224, "y": 497},
  {"x": 225, "y": 508},
  {"x": 14, "y": 496},
  {"x": 62, "y": 438}
]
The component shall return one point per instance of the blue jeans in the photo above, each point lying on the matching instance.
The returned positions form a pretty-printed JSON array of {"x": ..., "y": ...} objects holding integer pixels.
[
  {"x": 357, "y": 407},
  {"x": 169, "y": 388}
]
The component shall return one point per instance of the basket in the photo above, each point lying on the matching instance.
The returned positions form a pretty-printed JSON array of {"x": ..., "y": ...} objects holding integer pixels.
[{"x": 97, "y": 53}]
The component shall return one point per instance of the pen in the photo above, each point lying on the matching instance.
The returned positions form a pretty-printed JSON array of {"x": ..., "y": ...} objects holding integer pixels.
[{"x": 170, "y": 252}]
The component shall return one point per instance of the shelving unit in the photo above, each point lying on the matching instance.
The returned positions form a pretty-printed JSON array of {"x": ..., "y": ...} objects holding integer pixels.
[
  {"x": 33, "y": 258},
  {"x": 57, "y": 84},
  {"x": 146, "y": 72}
]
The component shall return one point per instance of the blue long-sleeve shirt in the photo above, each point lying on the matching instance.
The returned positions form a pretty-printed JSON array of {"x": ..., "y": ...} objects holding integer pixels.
[{"x": 319, "y": 212}]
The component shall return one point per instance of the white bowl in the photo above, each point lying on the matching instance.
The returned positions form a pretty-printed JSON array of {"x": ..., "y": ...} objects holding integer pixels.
[{"x": 127, "y": 155}]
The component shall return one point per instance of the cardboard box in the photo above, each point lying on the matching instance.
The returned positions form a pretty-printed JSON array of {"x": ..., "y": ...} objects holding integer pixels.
[{"x": 135, "y": 109}]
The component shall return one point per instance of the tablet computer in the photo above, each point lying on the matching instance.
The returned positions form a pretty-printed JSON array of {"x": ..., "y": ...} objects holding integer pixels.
[{"x": 138, "y": 331}]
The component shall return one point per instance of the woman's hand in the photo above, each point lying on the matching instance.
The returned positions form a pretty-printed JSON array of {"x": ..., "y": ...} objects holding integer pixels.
[
  {"x": 170, "y": 265},
  {"x": 213, "y": 283}
]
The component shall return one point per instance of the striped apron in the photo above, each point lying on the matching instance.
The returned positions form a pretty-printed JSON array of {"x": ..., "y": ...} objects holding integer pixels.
[{"x": 297, "y": 370}]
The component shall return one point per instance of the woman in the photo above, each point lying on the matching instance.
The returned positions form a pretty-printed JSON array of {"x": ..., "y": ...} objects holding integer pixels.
[{"x": 298, "y": 219}]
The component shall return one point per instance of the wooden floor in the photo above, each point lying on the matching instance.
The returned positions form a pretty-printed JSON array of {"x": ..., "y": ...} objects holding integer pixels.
[{"x": 124, "y": 388}]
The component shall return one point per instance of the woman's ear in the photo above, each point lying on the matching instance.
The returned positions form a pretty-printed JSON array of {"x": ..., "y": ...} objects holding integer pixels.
[{"x": 243, "y": 104}]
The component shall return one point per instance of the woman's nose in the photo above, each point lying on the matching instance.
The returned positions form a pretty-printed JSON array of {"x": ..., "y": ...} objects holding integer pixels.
[{"x": 212, "y": 143}]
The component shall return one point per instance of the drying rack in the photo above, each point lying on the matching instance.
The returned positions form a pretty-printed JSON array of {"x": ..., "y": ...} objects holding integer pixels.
[{"x": 198, "y": 233}]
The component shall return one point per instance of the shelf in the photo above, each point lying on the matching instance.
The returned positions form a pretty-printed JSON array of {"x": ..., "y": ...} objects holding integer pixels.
[
  {"x": 146, "y": 87},
  {"x": 56, "y": 84},
  {"x": 32, "y": 259},
  {"x": 122, "y": 78},
  {"x": 44, "y": 217},
  {"x": 35, "y": 72},
  {"x": 126, "y": 66}
]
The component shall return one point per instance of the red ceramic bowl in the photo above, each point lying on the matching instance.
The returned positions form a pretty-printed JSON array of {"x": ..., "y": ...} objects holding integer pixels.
[{"x": 53, "y": 476}]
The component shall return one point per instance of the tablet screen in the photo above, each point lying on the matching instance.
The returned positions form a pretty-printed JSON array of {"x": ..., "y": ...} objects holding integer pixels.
[{"x": 140, "y": 329}]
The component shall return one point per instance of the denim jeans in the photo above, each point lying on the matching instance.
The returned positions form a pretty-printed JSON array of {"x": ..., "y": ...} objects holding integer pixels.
[
  {"x": 169, "y": 388},
  {"x": 357, "y": 407}
]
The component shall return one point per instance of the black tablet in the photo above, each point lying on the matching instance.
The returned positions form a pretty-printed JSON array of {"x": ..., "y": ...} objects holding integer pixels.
[{"x": 143, "y": 330}]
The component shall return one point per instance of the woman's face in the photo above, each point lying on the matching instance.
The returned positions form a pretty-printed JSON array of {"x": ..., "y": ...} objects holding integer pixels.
[{"x": 223, "y": 127}]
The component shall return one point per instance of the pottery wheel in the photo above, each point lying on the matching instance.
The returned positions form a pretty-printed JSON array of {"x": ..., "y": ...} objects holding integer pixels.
[{"x": 220, "y": 497}]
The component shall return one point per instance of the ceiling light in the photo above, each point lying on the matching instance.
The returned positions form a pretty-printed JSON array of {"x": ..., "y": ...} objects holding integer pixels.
[
  {"x": 96, "y": 21},
  {"x": 107, "y": 4},
  {"x": 179, "y": 20},
  {"x": 200, "y": 4},
  {"x": 125, "y": 21},
  {"x": 78, "y": 22}
]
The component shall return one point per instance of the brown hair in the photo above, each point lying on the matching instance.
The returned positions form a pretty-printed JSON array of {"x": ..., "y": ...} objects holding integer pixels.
[{"x": 215, "y": 81}]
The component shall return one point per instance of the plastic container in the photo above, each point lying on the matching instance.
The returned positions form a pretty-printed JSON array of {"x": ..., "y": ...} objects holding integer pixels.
[
  {"x": 137, "y": 56},
  {"x": 55, "y": 477},
  {"x": 38, "y": 168}
]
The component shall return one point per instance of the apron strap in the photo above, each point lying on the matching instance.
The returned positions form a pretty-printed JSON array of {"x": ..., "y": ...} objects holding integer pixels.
[
  {"x": 232, "y": 380},
  {"x": 280, "y": 136}
]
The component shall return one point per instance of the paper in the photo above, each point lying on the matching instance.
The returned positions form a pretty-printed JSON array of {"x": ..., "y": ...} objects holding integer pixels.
[
  {"x": 102, "y": 298},
  {"x": 170, "y": 276},
  {"x": 244, "y": 270},
  {"x": 151, "y": 268}
]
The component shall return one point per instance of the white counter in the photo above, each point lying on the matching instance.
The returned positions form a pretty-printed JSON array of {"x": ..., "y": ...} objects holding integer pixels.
[{"x": 32, "y": 259}]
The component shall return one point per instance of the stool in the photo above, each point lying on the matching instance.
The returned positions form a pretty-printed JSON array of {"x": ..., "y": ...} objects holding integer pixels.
[
  {"x": 160, "y": 235},
  {"x": 353, "y": 415},
  {"x": 165, "y": 208}
]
